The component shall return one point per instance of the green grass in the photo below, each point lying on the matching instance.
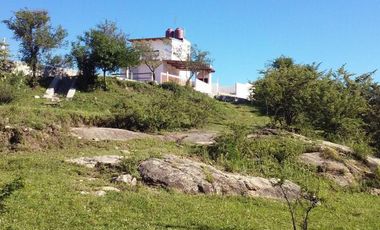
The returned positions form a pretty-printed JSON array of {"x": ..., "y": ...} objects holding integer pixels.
[
  {"x": 128, "y": 105},
  {"x": 51, "y": 199}
]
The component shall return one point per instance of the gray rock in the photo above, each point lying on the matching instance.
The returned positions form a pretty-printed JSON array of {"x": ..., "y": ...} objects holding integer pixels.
[
  {"x": 126, "y": 178},
  {"x": 91, "y": 162},
  {"x": 334, "y": 170},
  {"x": 194, "y": 177},
  {"x": 373, "y": 162}
]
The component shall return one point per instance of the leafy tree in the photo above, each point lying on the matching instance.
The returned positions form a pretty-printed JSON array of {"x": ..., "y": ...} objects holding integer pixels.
[
  {"x": 284, "y": 88},
  {"x": 150, "y": 57},
  {"x": 298, "y": 95},
  {"x": 55, "y": 64},
  {"x": 81, "y": 54},
  {"x": 36, "y": 35},
  {"x": 104, "y": 48}
]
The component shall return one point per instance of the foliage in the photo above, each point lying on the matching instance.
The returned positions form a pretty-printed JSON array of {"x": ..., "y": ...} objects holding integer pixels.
[
  {"x": 55, "y": 64},
  {"x": 176, "y": 108},
  {"x": 372, "y": 118},
  {"x": 299, "y": 95},
  {"x": 36, "y": 35},
  {"x": 6, "y": 94},
  {"x": 104, "y": 48}
]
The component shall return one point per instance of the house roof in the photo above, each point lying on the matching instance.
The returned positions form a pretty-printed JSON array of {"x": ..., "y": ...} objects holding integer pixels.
[
  {"x": 151, "y": 39},
  {"x": 182, "y": 65}
]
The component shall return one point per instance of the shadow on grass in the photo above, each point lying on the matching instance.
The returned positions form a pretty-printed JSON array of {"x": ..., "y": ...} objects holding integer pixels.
[{"x": 8, "y": 190}]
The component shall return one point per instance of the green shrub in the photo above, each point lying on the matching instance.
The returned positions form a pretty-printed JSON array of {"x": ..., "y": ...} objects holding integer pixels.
[
  {"x": 165, "y": 107},
  {"x": 361, "y": 150},
  {"x": 6, "y": 94}
]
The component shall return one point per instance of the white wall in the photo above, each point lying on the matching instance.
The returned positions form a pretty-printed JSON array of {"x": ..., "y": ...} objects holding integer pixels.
[
  {"x": 243, "y": 90},
  {"x": 203, "y": 87}
]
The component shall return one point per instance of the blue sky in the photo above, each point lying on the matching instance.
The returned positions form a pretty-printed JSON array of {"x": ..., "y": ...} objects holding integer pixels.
[{"x": 242, "y": 35}]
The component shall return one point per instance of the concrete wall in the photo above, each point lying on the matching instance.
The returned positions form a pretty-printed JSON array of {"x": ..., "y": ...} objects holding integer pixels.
[
  {"x": 243, "y": 90},
  {"x": 203, "y": 87}
]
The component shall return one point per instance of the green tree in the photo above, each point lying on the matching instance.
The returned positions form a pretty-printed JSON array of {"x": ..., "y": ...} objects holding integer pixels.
[
  {"x": 36, "y": 35},
  {"x": 299, "y": 96},
  {"x": 105, "y": 48},
  {"x": 284, "y": 88}
]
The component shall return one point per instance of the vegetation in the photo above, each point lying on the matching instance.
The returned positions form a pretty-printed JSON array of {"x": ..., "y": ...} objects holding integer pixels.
[
  {"x": 300, "y": 97},
  {"x": 49, "y": 193},
  {"x": 104, "y": 48},
  {"x": 37, "y": 37}
]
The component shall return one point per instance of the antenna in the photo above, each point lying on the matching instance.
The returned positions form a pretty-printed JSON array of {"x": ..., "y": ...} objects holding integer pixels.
[{"x": 175, "y": 21}]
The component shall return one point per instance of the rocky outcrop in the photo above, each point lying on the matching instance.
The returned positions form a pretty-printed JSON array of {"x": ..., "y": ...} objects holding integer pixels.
[
  {"x": 92, "y": 162},
  {"x": 194, "y": 177},
  {"x": 198, "y": 137},
  {"x": 334, "y": 170},
  {"x": 98, "y": 134}
]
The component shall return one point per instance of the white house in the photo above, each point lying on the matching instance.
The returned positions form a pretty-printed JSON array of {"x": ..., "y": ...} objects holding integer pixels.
[{"x": 173, "y": 50}]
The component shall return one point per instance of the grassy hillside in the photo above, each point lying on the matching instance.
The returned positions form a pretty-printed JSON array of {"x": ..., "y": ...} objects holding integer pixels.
[
  {"x": 126, "y": 105},
  {"x": 51, "y": 199}
]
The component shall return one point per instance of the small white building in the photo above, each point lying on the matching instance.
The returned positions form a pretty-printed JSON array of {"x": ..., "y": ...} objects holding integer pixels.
[{"x": 174, "y": 49}]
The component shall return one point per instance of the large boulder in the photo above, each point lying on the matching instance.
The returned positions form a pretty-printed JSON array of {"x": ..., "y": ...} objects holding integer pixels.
[{"x": 193, "y": 177}]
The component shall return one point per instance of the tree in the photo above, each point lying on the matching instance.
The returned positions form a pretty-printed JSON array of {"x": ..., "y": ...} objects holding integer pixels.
[
  {"x": 55, "y": 64},
  {"x": 194, "y": 61},
  {"x": 150, "y": 57},
  {"x": 299, "y": 96},
  {"x": 284, "y": 88},
  {"x": 5, "y": 64},
  {"x": 104, "y": 48},
  {"x": 36, "y": 35}
]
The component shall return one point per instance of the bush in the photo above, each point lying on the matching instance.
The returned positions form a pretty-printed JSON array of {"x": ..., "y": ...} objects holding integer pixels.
[
  {"x": 166, "y": 107},
  {"x": 6, "y": 94},
  {"x": 236, "y": 152}
]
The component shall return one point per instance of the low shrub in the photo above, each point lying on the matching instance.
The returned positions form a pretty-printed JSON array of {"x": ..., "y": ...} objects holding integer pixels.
[{"x": 6, "y": 94}]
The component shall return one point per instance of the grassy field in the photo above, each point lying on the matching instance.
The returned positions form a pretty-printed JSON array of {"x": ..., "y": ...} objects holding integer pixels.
[{"x": 51, "y": 197}]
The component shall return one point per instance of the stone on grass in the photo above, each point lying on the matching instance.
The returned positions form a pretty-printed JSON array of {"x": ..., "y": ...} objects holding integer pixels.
[
  {"x": 91, "y": 162},
  {"x": 334, "y": 170},
  {"x": 373, "y": 162},
  {"x": 126, "y": 178},
  {"x": 193, "y": 177},
  {"x": 110, "y": 188}
]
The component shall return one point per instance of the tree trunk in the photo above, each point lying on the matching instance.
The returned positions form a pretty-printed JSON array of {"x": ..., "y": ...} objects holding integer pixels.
[{"x": 104, "y": 80}]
